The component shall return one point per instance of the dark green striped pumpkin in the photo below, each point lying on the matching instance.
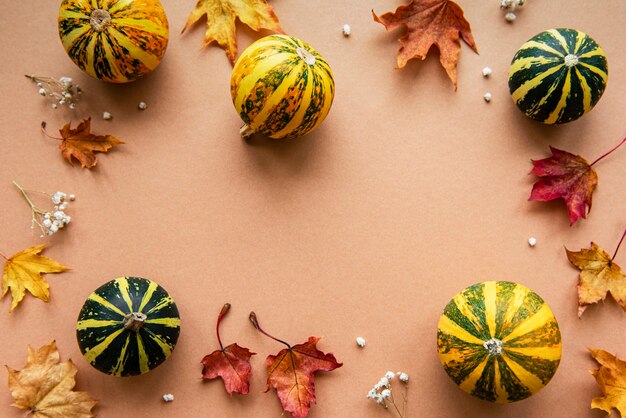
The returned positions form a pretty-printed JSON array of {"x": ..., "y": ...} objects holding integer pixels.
[
  {"x": 558, "y": 75},
  {"x": 128, "y": 326},
  {"x": 499, "y": 341}
]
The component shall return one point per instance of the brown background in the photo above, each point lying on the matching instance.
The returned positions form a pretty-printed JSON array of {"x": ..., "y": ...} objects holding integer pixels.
[{"x": 405, "y": 195}]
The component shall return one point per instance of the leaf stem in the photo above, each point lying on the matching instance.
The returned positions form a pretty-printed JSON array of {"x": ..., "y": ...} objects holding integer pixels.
[
  {"x": 604, "y": 155},
  {"x": 222, "y": 314},
  {"x": 255, "y": 322},
  {"x": 43, "y": 129},
  {"x": 618, "y": 245},
  {"x": 34, "y": 208},
  {"x": 4, "y": 256}
]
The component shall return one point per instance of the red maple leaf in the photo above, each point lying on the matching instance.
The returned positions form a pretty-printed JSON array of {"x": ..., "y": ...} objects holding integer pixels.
[
  {"x": 292, "y": 372},
  {"x": 231, "y": 363},
  {"x": 569, "y": 177}
]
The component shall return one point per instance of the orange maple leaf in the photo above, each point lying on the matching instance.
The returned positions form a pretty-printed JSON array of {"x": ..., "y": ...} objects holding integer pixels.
[
  {"x": 428, "y": 23},
  {"x": 221, "y": 16},
  {"x": 611, "y": 377},
  {"x": 81, "y": 144}
]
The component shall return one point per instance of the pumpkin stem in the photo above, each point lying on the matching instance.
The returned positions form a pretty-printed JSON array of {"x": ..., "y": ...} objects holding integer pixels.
[
  {"x": 134, "y": 320},
  {"x": 246, "y": 131},
  {"x": 493, "y": 346},
  {"x": 571, "y": 60},
  {"x": 100, "y": 20},
  {"x": 305, "y": 55}
]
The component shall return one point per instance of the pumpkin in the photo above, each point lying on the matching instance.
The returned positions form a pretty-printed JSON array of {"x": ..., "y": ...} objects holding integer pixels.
[
  {"x": 281, "y": 87},
  {"x": 558, "y": 75},
  {"x": 114, "y": 40},
  {"x": 499, "y": 341},
  {"x": 128, "y": 326}
]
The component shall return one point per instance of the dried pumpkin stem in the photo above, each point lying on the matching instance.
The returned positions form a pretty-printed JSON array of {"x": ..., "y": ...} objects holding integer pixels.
[
  {"x": 617, "y": 249},
  {"x": 99, "y": 20},
  {"x": 134, "y": 321},
  {"x": 246, "y": 131}
]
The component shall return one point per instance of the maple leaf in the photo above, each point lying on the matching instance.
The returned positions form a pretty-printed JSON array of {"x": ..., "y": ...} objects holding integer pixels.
[
  {"x": 611, "y": 377},
  {"x": 231, "y": 363},
  {"x": 221, "y": 16},
  {"x": 23, "y": 270},
  {"x": 569, "y": 177},
  {"x": 599, "y": 275},
  {"x": 292, "y": 372},
  {"x": 44, "y": 386},
  {"x": 428, "y": 23},
  {"x": 81, "y": 144}
]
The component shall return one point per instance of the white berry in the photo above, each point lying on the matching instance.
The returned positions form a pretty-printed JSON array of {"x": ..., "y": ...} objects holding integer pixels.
[
  {"x": 107, "y": 116},
  {"x": 487, "y": 97},
  {"x": 532, "y": 241},
  {"x": 360, "y": 341},
  {"x": 346, "y": 30},
  {"x": 168, "y": 397},
  {"x": 510, "y": 16},
  {"x": 486, "y": 72},
  {"x": 142, "y": 106}
]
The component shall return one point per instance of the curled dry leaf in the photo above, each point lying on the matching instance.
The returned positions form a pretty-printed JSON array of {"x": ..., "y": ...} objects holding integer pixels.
[
  {"x": 221, "y": 16},
  {"x": 611, "y": 377},
  {"x": 80, "y": 143},
  {"x": 428, "y": 23},
  {"x": 44, "y": 386},
  {"x": 599, "y": 275},
  {"x": 231, "y": 363},
  {"x": 23, "y": 271},
  {"x": 292, "y": 372}
]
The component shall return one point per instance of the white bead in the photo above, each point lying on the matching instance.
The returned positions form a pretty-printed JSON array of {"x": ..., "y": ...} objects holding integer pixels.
[
  {"x": 106, "y": 116},
  {"x": 487, "y": 97},
  {"x": 532, "y": 241},
  {"x": 347, "y": 30},
  {"x": 510, "y": 16},
  {"x": 486, "y": 72},
  {"x": 142, "y": 106},
  {"x": 360, "y": 341},
  {"x": 168, "y": 397}
]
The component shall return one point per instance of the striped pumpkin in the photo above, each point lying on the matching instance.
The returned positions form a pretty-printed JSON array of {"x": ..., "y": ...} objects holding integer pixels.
[
  {"x": 499, "y": 341},
  {"x": 128, "y": 326},
  {"x": 558, "y": 76},
  {"x": 281, "y": 87},
  {"x": 114, "y": 40}
]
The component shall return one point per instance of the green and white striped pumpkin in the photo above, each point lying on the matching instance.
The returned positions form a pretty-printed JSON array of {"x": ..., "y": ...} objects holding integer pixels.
[
  {"x": 128, "y": 326},
  {"x": 558, "y": 75},
  {"x": 499, "y": 341}
]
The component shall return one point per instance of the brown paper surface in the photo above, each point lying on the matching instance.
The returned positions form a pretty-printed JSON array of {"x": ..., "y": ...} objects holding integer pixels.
[{"x": 406, "y": 194}]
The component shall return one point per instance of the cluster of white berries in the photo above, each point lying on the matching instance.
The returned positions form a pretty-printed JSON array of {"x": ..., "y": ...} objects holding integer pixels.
[
  {"x": 63, "y": 90},
  {"x": 382, "y": 392},
  {"x": 509, "y": 6},
  {"x": 57, "y": 219}
]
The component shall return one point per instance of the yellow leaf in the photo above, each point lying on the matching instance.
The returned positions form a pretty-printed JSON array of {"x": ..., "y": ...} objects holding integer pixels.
[
  {"x": 44, "y": 386},
  {"x": 221, "y": 16},
  {"x": 611, "y": 377},
  {"x": 599, "y": 275},
  {"x": 23, "y": 270}
]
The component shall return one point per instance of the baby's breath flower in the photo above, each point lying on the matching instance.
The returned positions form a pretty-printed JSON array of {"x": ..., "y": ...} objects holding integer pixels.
[
  {"x": 63, "y": 91},
  {"x": 390, "y": 375},
  {"x": 48, "y": 222},
  {"x": 403, "y": 377},
  {"x": 382, "y": 394}
]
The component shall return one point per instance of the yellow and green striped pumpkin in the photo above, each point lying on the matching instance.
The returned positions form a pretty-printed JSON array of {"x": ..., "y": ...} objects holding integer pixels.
[
  {"x": 281, "y": 87},
  {"x": 128, "y": 326},
  {"x": 499, "y": 341},
  {"x": 558, "y": 75},
  {"x": 114, "y": 40}
]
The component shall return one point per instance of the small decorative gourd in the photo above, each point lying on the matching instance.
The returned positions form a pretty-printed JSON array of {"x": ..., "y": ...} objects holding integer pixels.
[
  {"x": 558, "y": 75},
  {"x": 114, "y": 40},
  {"x": 499, "y": 341},
  {"x": 281, "y": 87},
  {"x": 128, "y": 326}
]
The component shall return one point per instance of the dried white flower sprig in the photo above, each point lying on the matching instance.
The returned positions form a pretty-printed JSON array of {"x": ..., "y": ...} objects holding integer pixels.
[
  {"x": 509, "y": 7},
  {"x": 382, "y": 393},
  {"x": 63, "y": 90},
  {"x": 48, "y": 221}
]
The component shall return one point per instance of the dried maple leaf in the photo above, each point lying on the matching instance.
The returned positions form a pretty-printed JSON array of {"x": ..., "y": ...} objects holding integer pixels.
[
  {"x": 81, "y": 144},
  {"x": 599, "y": 275},
  {"x": 23, "y": 270},
  {"x": 428, "y": 23},
  {"x": 231, "y": 363},
  {"x": 221, "y": 16},
  {"x": 611, "y": 377},
  {"x": 44, "y": 386},
  {"x": 292, "y": 372},
  {"x": 569, "y": 177}
]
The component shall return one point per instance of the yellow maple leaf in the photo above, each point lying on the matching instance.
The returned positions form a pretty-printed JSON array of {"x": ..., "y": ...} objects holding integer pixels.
[
  {"x": 221, "y": 16},
  {"x": 44, "y": 386},
  {"x": 23, "y": 270},
  {"x": 611, "y": 377},
  {"x": 599, "y": 275}
]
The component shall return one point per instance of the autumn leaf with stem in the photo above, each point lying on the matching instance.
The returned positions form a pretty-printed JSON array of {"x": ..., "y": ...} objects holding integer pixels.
[
  {"x": 44, "y": 386},
  {"x": 292, "y": 372},
  {"x": 221, "y": 16},
  {"x": 611, "y": 377},
  {"x": 231, "y": 363},
  {"x": 569, "y": 177},
  {"x": 599, "y": 275},
  {"x": 80, "y": 143},
  {"x": 428, "y": 23},
  {"x": 23, "y": 270}
]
